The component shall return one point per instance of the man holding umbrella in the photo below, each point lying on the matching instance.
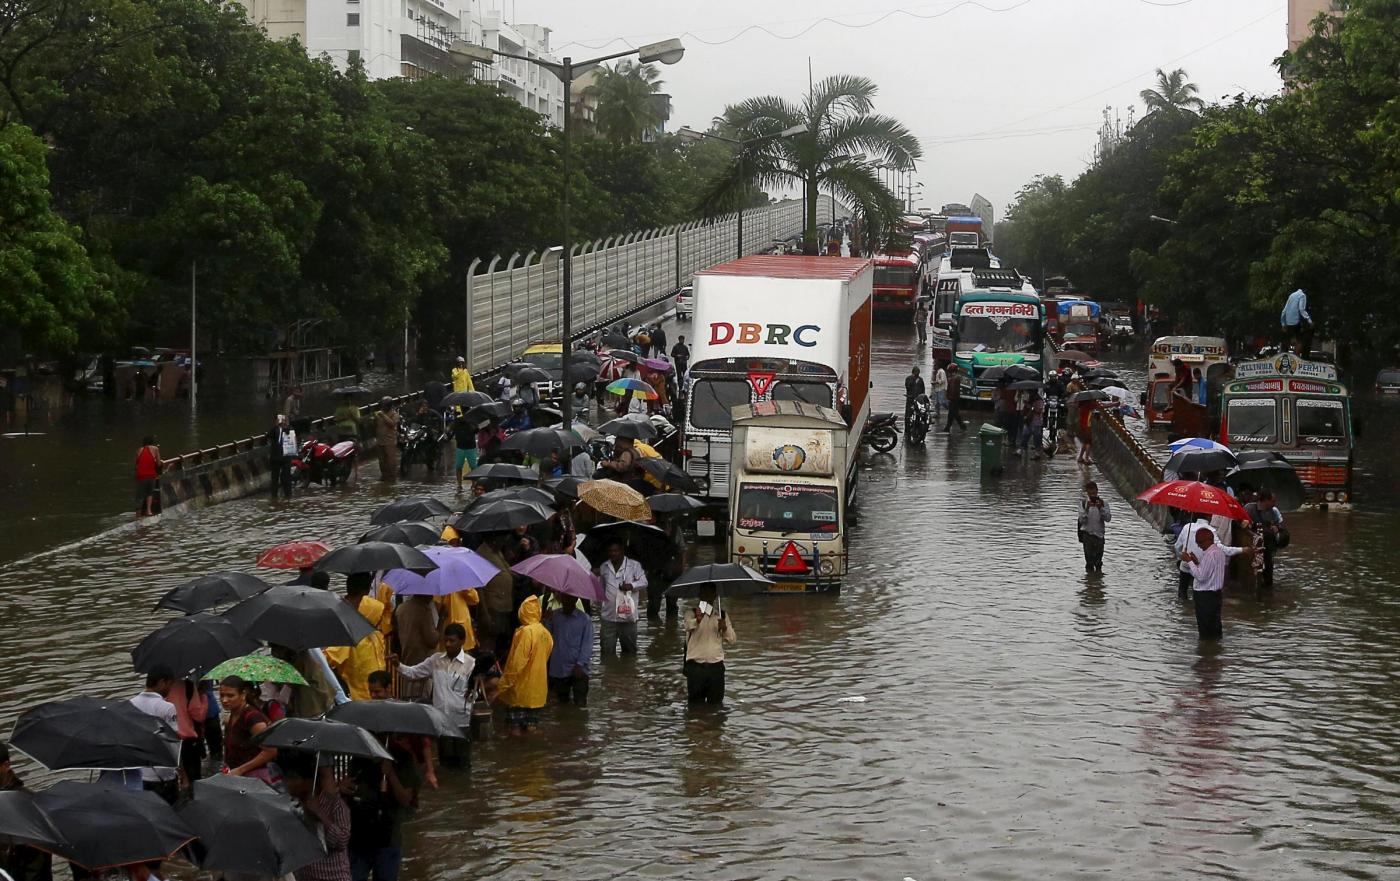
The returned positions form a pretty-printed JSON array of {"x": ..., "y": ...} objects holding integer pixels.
[{"x": 706, "y": 634}]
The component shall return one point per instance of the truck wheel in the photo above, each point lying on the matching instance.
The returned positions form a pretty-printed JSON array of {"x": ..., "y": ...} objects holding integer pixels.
[{"x": 884, "y": 439}]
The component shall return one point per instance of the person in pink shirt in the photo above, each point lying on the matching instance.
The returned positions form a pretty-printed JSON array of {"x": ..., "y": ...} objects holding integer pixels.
[{"x": 191, "y": 706}]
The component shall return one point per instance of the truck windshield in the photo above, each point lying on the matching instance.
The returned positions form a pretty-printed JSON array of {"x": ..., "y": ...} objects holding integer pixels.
[
  {"x": 1252, "y": 420},
  {"x": 806, "y": 392},
  {"x": 895, "y": 276},
  {"x": 711, "y": 400},
  {"x": 984, "y": 334},
  {"x": 788, "y": 507},
  {"x": 545, "y": 360},
  {"x": 1081, "y": 328},
  {"x": 1320, "y": 421}
]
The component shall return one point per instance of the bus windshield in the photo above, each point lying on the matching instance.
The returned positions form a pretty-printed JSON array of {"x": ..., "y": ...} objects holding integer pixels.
[
  {"x": 1252, "y": 420},
  {"x": 1321, "y": 421},
  {"x": 788, "y": 507},
  {"x": 895, "y": 276},
  {"x": 711, "y": 400},
  {"x": 806, "y": 392},
  {"x": 979, "y": 333}
]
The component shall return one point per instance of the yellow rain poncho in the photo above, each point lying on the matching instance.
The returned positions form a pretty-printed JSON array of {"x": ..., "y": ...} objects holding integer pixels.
[
  {"x": 354, "y": 664},
  {"x": 525, "y": 680},
  {"x": 455, "y": 608}
]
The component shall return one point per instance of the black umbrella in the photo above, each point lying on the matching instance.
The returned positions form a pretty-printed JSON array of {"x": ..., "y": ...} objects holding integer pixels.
[
  {"x": 582, "y": 371},
  {"x": 305, "y": 617},
  {"x": 1102, "y": 382},
  {"x": 537, "y": 494},
  {"x": 214, "y": 589},
  {"x": 322, "y": 736},
  {"x": 1192, "y": 460},
  {"x": 504, "y": 471},
  {"x": 1246, "y": 456},
  {"x": 668, "y": 474},
  {"x": 467, "y": 400},
  {"x": 483, "y": 412},
  {"x": 1275, "y": 474},
  {"x": 411, "y": 508},
  {"x": 564, "y": 486},
  {"x": 97, "y": 734},
  {"x": 374, "y": 556},
  {"x": 526, "y": 374},
  {"x": 192, "y": 646},
  {"x": 585, "y": 356},
  {"x": 351, "y": 390},
  {"x": 1098, "y": 373},
  {"x": 1026, "y": 385},
  {"x": 672, "y": 503},
  {"x": 730, "y": 578},
  {"x": 627, "y": 355},
  {"x": 646, "y": 543},
  {"x": 396, "y": 717},
  {"x": 1090, "y": 395},
  {"x": 1021, "y": 371},
  {"x": 247, "y": 827},
  {"x": 21, "y": 821},
  {"x": 540, "y": 442},
  {"x": 637, "y": 429},
  {"x": 104, "y": 825},
  {"x": 409, "y": 532},
  {"x": 501, "y": 516},
  {"x": 544, "y": 416}
]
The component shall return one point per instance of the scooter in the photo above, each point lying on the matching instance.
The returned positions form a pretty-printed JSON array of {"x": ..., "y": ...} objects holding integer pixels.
[
  {"x": 920, "y": 418},
  {"x": 881, "y": 433}
]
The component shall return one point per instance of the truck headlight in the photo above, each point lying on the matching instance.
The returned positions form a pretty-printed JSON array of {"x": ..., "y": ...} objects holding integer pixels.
[
  {"x": 747, "y": 560},
  {"x": 1341, "y": 497},
  {"x": 1330, "y": 496},
  {"x": 828, "y": 567}
]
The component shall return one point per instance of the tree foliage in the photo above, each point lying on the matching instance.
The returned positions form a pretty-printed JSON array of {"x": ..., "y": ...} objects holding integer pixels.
[
  {"x": 839, "y": 153},
  {"x": 626, "y": 106}
]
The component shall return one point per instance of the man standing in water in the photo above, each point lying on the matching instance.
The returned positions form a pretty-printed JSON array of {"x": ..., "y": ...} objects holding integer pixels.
[
  {"x": 954, "y": 399},
  {"x": 1208, "y": 571},
  {"x": 1093, "y": 514},
  {"x": 913, "y": 387},
  {"x": 386, "y": 438},
  {"x": 148, "y": 477},
  {"x": 706, "y": 634}
]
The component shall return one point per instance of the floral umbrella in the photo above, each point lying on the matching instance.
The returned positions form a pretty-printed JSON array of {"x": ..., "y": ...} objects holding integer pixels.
[{"x": 293, "y": 555}]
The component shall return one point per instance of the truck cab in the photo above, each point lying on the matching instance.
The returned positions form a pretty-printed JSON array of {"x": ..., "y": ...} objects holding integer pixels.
[{"x": 788, "y": 493}]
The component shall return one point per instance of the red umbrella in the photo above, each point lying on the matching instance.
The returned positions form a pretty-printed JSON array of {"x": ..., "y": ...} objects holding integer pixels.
[
  {"x": 293, "y": 555},
  {"x": 1194, "y": 496}
]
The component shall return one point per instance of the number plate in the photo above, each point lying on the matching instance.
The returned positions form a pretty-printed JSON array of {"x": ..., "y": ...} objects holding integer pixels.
[{"x": 787, "y": 587}]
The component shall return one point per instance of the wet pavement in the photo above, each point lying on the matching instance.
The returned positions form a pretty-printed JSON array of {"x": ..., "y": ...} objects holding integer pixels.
[{"x": 1013, "y": 716}]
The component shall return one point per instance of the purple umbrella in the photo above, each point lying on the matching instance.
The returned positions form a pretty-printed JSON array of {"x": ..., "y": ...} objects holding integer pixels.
[
  {"x": 458, "y": 569},
  {"x": 562, "y": 573},
  {"x": 657, "y": 364}
]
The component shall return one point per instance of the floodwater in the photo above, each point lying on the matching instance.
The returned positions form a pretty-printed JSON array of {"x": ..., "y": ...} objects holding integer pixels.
[{"x": 972, "y": 705}]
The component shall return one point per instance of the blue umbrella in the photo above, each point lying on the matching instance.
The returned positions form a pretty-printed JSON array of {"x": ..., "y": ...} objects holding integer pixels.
[{"x": 1199, "y": 443}]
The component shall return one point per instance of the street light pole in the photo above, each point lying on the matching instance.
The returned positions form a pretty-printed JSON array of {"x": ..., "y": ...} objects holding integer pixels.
[
  {"x": 799, "y": 129},
  {"x": 666, "y": 52}
]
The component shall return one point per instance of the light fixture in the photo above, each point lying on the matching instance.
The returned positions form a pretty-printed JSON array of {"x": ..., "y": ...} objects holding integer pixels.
[
  {"x": 799, "y": 129},
  {"x": 667, "y": 52},
  {"x": 470, "y": 52}
]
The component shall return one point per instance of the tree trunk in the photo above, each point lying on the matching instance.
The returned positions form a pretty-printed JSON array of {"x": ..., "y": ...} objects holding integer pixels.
[{"x": 810, "y": 245}]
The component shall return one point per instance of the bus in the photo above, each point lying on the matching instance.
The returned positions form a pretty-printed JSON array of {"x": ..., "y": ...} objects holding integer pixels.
[
  {"x": 1300, "y": 410},
  {"x": 999, "y": 320},
  {"x": 898, "y": 280}
]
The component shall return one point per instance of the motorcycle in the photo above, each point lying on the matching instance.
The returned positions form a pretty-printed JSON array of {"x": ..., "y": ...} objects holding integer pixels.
[
  {"x": 419, "y": 444},
  {"x": 325, "y": 464},
  {"x": 881, "y": 432},
  {"x": 920, "y": 418}
]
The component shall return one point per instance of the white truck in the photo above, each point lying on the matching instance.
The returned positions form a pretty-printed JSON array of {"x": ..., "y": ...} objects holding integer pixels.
[
  {"x": 774, "y": 328},
  {"x": 789, "y": 493}
]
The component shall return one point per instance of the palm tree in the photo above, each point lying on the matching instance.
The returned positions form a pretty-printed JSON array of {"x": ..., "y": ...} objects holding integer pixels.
[
  {"x": 841, "y": 151},
  {"x": 626, "y": 107},
  {"x": 1174, "y": 94}
]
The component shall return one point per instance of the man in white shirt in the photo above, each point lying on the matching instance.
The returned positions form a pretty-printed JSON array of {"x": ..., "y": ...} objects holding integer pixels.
[
  {"x": 1186, "y": 543},
  {"x": 1208, "y": 569},
  {"x": 163, "y": 781},
  {"x": 623, "y": 579},
  {"x": 940, "y": 390},
  {"x": 451, "y": 672}
]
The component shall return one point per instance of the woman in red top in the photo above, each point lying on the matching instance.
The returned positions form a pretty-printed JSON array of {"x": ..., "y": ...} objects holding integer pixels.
[
  {"x": 148, "y": 476},
  {"x": 242, "y": 756}
]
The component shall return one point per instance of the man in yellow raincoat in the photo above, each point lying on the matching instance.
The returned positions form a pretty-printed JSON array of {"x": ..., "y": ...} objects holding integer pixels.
[
  {"x": 461, "y": 377},
  {"x": 525, "y": 680},
  {"x": 455, "y": 608},
  {"x": 354, "y": 663}
]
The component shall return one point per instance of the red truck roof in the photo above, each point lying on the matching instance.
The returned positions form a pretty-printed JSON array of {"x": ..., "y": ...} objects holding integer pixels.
[{"x": 776, "y": 266}]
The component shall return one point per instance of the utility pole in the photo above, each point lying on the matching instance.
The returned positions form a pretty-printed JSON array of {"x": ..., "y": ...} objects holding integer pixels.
[{"x": 194, "y": 354}]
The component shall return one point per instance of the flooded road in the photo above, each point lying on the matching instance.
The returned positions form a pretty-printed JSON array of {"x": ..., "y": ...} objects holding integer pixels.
[{"x": 1019, "y": 718}]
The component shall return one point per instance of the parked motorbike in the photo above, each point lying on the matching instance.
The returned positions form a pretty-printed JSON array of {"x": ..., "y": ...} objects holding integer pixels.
[
  {"x": 881, "y": 432},
  {"x": 920, "y": 418},
  {"x": 325, "y": 464},
  {"x": 420, "y": 443}
]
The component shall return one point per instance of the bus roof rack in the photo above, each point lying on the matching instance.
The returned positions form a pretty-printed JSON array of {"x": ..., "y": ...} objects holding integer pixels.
[{"x": 988, "y": 278}]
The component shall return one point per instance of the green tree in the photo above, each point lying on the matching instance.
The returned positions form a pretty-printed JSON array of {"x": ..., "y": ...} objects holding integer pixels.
[
  {"x": 1174, "y": 94},
  {"x": 626, "y": 106},
  {"x": 844, "y": 142},
  {"x": 47, "y": 283}
]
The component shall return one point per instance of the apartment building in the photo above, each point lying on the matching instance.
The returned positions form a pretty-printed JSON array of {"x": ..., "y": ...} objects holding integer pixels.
[{"x": 1300, "y": 18}]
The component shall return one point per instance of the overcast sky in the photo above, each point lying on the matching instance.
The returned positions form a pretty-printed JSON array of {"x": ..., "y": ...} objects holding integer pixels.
[{"x": 994, "y": 97}]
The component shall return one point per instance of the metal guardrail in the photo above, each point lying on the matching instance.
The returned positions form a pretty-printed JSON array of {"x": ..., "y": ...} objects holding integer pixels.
[
  {"x": 512, "y": 303},
  {"x": 1131, "y": 443}
]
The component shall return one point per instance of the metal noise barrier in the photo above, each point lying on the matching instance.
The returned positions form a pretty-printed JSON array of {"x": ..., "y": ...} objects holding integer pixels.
[
  {"x": 1127, "y": 463},
  {"x": 512, "y": 302}
]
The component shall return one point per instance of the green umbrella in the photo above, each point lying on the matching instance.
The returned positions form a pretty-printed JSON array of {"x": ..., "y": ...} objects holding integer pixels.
[{"x": 257, "y": 668}]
